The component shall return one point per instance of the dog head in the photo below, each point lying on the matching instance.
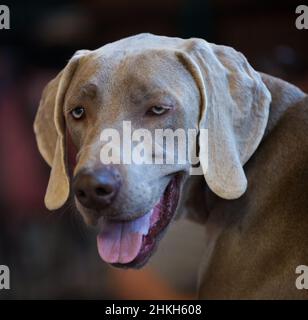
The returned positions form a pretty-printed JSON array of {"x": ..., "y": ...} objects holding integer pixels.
[{"x": 137, "y": 86}]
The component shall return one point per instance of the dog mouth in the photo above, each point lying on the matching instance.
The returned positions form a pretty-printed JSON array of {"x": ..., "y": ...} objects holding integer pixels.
[{"x": 130, "y": 244}]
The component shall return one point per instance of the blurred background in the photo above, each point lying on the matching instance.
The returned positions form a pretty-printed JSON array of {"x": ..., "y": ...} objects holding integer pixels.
[{"x": 52, "y": 254}]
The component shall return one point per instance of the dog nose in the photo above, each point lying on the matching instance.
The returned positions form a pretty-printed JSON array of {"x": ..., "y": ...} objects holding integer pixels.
[{"x": 97, "y": 188}]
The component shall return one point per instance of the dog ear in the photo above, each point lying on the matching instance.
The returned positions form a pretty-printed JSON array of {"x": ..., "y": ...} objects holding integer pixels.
[
  {"x": 49, "y": 128},
  {"x": 234, "y": 108}
]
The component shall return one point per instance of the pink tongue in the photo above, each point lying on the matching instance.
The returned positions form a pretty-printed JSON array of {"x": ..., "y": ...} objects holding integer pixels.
[{"x": 120, "y": 242}]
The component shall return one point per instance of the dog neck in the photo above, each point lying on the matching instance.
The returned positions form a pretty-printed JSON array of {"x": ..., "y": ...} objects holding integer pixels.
[
  {"x": 284, "y": 96},
  {"x": 200, "y": 201}
]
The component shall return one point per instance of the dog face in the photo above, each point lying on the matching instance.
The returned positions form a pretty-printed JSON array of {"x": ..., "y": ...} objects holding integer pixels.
[
  {"x": 131, "y": 89},
  {"x": 152, "y": 83}
]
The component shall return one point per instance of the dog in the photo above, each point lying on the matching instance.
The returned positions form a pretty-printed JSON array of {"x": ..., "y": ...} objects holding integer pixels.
[{"x": 252, "y": 196}]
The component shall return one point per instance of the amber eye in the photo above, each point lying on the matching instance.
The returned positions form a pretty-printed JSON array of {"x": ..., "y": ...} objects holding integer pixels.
[
  {"x": 78, "y": 113},
  {"x": 158, "y": 110}
]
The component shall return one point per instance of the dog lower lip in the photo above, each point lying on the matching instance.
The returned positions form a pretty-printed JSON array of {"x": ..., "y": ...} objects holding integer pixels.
[{"x": 166, "y": 207}]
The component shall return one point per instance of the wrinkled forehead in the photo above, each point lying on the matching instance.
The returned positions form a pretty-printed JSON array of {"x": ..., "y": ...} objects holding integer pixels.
[{"x": 118, "y": 70}]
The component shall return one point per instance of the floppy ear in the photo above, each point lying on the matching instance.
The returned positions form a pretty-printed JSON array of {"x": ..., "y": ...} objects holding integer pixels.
[
  {"x": 234, "y": 108},
  {"x": 49, "y": 128}
]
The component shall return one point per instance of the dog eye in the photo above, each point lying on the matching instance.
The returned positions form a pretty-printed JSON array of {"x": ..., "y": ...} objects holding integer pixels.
[
  {"x": 78, "y": 113},
  {"x": 158, "y": 110}
]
